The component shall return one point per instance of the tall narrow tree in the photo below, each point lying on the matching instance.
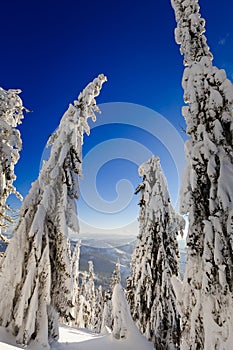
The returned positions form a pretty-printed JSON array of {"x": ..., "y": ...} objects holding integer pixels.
[
  {"x": 11, "y": 114},
  {"x": 75, "y": 276},
  {"x": 36, "y": 278},
  {"x": 82, "y": 316},
  {"x": 206, "y": 297},
  {"x": 116, "y": 276},
  {"x": 99, "y": 309},
  {"x": 107, "y": 318},
  {"x": 155, "y": 259},
  {"x": 91, "y": 297},
  {"x": 122, "y": 320}
]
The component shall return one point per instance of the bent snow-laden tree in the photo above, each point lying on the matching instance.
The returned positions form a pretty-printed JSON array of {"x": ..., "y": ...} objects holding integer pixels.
[
  {"x": 150, "y": 293},
  {"x": 206, "y": 296},
  {"x": 35, "y": 278},
  {"x": 11, "y": 114}
]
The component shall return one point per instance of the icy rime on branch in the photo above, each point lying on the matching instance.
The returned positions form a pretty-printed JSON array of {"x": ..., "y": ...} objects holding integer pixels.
[
  {"x": 11, "y": 114},
  {"x": 36, "y": 276},
  {"x": 155, "y": 259},
  {"x": 206, "y": 297}
]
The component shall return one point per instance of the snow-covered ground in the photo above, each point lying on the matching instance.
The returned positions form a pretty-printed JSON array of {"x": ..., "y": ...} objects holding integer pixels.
[{"x": 81, "y": 339}]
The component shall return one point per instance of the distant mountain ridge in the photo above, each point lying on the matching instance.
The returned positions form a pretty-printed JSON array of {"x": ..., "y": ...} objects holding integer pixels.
[{"x": 105, "y": 251}]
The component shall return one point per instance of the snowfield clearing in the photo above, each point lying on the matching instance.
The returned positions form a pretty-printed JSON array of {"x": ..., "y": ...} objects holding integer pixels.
[{"x": 81, "y": 339}]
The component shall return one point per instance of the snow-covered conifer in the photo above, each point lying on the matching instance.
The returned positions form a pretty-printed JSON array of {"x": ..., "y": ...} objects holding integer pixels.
[
  {"x": 91, "y": 297},
  {"x": 82, "y": 316},
  {"x": 11, "y": 114},
  {"x": 107, "y": 317},
  {"x": 36, "y": 276},
  {"x": 150, "y": 293},
  {"x": 75, "y": 264},
  {"x": 121, "y": 314},
  {"x": 206, "y": 296},
  {"x": 90, "y": 303},
  {"x": 116, "y": 276},
  {"x": 123, "y": 325},
  {"x": 75, "y": 276},
  {"x": 99, "y": 308}
]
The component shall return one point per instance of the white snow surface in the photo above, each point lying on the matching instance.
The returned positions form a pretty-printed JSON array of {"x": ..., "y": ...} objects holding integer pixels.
[{"x": 81, "y": 339}]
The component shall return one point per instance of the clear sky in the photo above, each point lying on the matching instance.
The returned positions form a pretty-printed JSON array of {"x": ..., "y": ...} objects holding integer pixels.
[{"x": 52, "y": 49}]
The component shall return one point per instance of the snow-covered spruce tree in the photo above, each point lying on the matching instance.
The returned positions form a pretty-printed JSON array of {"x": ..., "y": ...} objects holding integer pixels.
[
  {"x": 75, "y": 276},
  {"x": 122, "y": 321},
  {"x": 99, "y": 308},
  {"x": 116, "y": 276},
  {"x": 36, "y": 278},
  {"x": 82, "y": 316},
  {"x": 91, "y": 297},
  {"x": 89, "y": 303},
  {"x": 94, "y": 301},
  {"x": 123, "y": 326},
  {"x": 11, "y": 114},
  {"x": 155, "y": 259},
  {"x": 75, "y": 264},
  {"x": 107, "y": 317},
  {"x": 206, "y": 297}
]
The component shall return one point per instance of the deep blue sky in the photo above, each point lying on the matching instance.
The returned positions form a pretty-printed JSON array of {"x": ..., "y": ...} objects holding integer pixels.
[{"x": 52, "y": 49}]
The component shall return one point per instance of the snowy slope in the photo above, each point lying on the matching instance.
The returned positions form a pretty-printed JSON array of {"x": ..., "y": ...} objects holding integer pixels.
[{"x": 80, "y": 339}]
